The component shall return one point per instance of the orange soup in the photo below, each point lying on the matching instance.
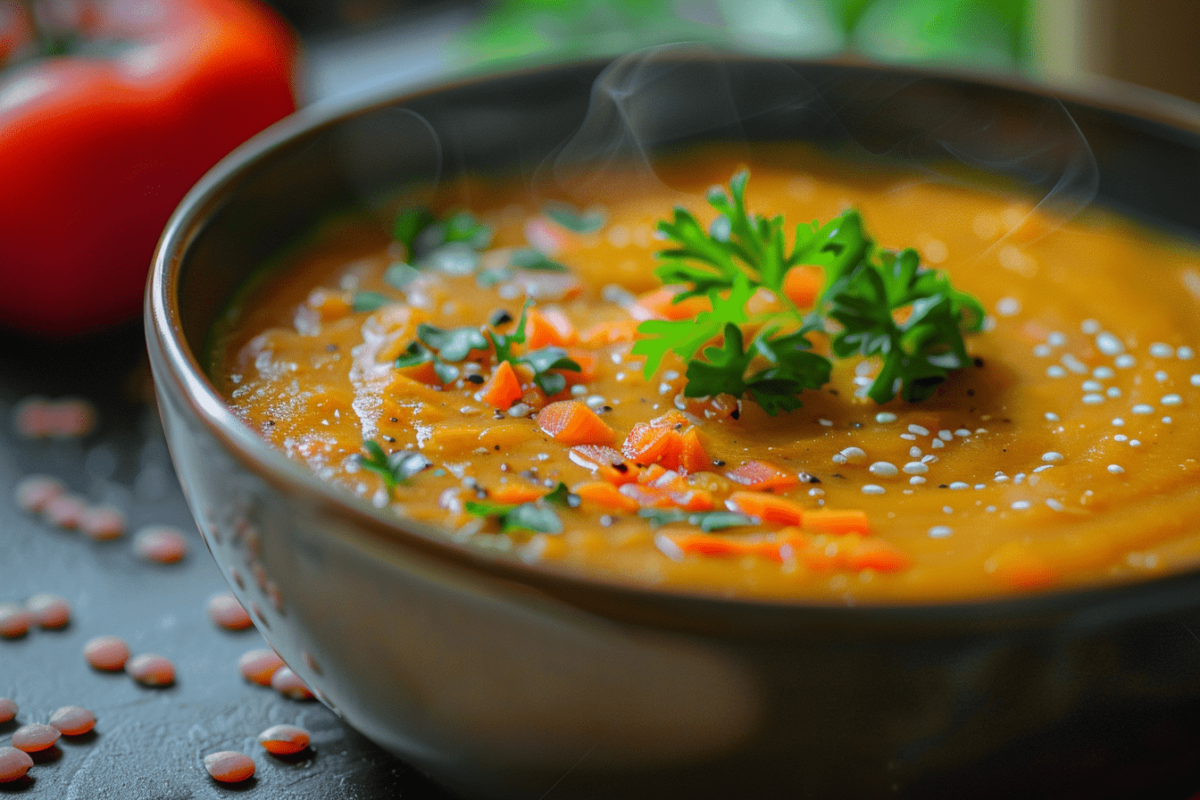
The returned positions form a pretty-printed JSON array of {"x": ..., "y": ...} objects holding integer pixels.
[{"x": 485, "y": 372}]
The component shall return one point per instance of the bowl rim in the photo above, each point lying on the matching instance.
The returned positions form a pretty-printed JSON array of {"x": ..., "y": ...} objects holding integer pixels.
[{"x": 183, "y": 371}]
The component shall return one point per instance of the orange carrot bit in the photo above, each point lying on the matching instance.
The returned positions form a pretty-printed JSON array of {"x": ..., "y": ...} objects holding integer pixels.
[
  {"x": 605, "y": 495},
  {"x": 514, "y": 494},
  {"x": 540, "y": 331},
  {"x": 839, "y": 521},
  {"x": 587, "y": 366},
  {"x": 562, "y": 325},
  {"x": 534, "y": 397},
  {"x": 571, "y": 422},
  {"x": 766, "y": 507},
  {"x": 649, "y": 445},
  {"x": 615, "y": 332},
  {"x": 652, "y": 473},
  {"x": 803, "y": 284},
  {"x": 329, "y": 305},
  {"x": 762, "y": 476},
  {"x": 650, "y": 496},
  {"x": 606, "y": 462},
  {"x": 672, "y": 419},
  {"x": 660, "y": 304},
  {"x": 720, "y": 406},
  {"x": 422, "y": 372},
  {"x": 708, "y": 545},
  {"x": 878, "y": 555},
  {"x": 692, "y": 457},
  {"x": 503, "y": 387}
]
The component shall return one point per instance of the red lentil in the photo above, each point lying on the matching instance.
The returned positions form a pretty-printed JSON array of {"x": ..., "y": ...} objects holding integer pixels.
[
  {"x": 108, "y": 653},
  {"x": 34, "y": 492},
  {"x": 259, "y": 666},
  {"x": 65, "y": 511},
  {"x": 103, "y": 522},
  {"x": 288, "y": 684},
  {"x": 229, "y": 766},
  {"x": 8, "y": 709},
  {"x": 284, "y": 740},
  {"x": 14, "y": 764},
  {"x": 151, "y": 669},
  {"x": 49, "y": 610},
  {"x": 14, "y": 620},
  {"x": 160, "y": 543},
  {"x": 225, "y": 610},
  {"x": 73, "y": 720},
  {"x": 35, "y": 737}
]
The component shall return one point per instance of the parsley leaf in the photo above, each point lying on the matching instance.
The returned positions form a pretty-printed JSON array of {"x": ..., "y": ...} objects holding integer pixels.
[
  {"x": 369, "y": 301},
  {"x": 530, "y": 517},
  {"x": 587, "y": 221},
  {"x": 707, "y": 521},
  {"x": 421, "y": 232},
  {"x": 395, "y": 468},
  {"x": 528, "y": 258}
]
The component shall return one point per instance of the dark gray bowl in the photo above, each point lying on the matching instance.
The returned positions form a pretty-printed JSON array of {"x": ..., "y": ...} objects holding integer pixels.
[{"x": 502, "y": 679}]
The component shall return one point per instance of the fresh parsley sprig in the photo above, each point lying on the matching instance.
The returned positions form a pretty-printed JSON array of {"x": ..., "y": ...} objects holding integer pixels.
[
  {"x": 396, "y": 468},
  {"x": 864, "y": 289},
  {"x": 535, "y": 517},
  {"x": 546, "y": 362}
]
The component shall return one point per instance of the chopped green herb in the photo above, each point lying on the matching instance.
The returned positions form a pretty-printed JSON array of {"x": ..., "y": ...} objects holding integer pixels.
[
  {"x": 528, "y": 258},
  {"x": 487, "y": 278},
  {"x": 523, "y": 517},
  {"x": 452, "y": 344},
  {"x": 741, "y": 252},
  {"x": 707, "y": 521},
  {"x": 400, "y": 275},
  {"x": 395, "y": 468},
  {"x": 544, "y": 361},
  {"x": 561, "y": 496},
  {"x": 588, "y": 221},
  {"x": 421, "y": 232},
  {"x": 370, "y": 301}
]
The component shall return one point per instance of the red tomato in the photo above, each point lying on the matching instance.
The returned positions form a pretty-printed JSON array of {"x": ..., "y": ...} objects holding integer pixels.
[{"x": 98, "y": 145}]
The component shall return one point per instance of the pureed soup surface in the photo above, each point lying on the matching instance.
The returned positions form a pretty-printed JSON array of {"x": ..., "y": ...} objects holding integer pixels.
[{"x": 1063, "y": 457}]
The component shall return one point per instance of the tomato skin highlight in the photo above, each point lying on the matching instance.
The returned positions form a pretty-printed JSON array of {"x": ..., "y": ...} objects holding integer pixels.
[{"x": 96, "y": 152}]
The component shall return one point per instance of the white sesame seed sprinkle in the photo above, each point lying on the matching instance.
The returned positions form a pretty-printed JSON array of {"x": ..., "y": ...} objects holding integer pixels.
[
  {"x": 1056, "y": 338},
  {"x": 1195, "y": 380},
  {"x": 1166, "y": 420},
  {"x": 1074, "y": 364},
  {"x": 1054, "y": 504},
  {"x": 885, "y": 417},
  {"x": 1134, "y": 443},
  {"x": 826, "y": 423},
  {"x": 916, "y": 468},
  {"x": 1093, "y": 399},
  {"x": 1108, "y": 344},
  {"x": 948, "y": 509},
  {"x": 1043, "y": 468},
  {"x": 1092, "y": 386},
  {"x": 1008, "y": 306},
  {"x": 883, "y": 469},
  {"x": 960, "y": 485},
  {"x": 1090, "y": 327},
  {"x": 1125, "y": 361},
  {"x": 1019, "y": 477},
  {"x": 1185, "y": 353},
  {"x": 595, "y": 401},
  {"x": 937, "y": 444},
  {"x": 963, "y": 433},
  {"x": 1020, "y": 505},
  {"x": 1115, "y": 469},
  {"x": 990, "y": 509},
  {"x": 929, "y": 459},
  {"x": 945, "y": 435},
  {"x": 838, "y": 458},
  {"x": 1171, "y": 400},
  {"x": 872, "y": 488},
  {"x": 853, "y": 454},
  {"x": 1001, "y": 478},
  {"x": 909, "y": 437},
  {"x": 940, "y": 531},
  {"x": 1103, "y": 373},
  {"x": 1055, "y": 371},
  {"x": 916, "y": 480},
  {"x": 1041, "y": 350},
  {"x": 1118, "y": 422},
  {"x": 914, "y": 452},
  {"x": 1113, "y": 392},
  {"x": 918, "y": 430},
  {"x": 1161, "y": 376},
  {"x": 1142, "y": 408},
  {"x": 1052, "y": 457},
  {"x": 1051, "y": 416},
  {"x": 1162, "y": 350}
]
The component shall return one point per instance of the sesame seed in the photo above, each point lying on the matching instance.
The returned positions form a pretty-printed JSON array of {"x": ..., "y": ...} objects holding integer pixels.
[
  {"x": 929, "y": 459},
  {"x": 1171, "y": 400},
  {"x": 1117, "y": 421},
  {"x": 1195, "y": 380},
  {"x": 911, "y": 437},
  {"x": 1092, "y": 386},
  {"x": 1161, "y": 350},
  {"x": 1043, "y": 468},
  {"x": 884, "y": 469},
  {"x": 1103, "y": 373},
  {"x": 916, "y": 480},
  {"x": 1054, "y": 504},
  {"x": 937, "y": 443},
  {"x": 1051, "y": 416},
  {"x": 1020, "y": 476},
  {"x": 885, "y": 417},
  {"x": 1108, "y": 344},
  {"x": 1125, "y": 361},
  {"x": 1052, "y": 457},
  {"x": 918, "y": 430},
  {"x": 1161, "y": 376},
  {"x": 959, "y": 485},
  {"x": 1115, "y": 469},
  {"x": 1166, "y": 420},
  {"x": 1120, "y": 437},
  {"x": 948, "y": 509},
  {"x": 594, "y": 401},
  {"x": 1000, "y": 477},
  {"x": 1020, "y": 505},
  {"x": 945, "y": 435},
  {"x": 1113, "y": 392},
  {"x": 872, "y": 488},
  {"x": 1074, "y": 364},
  {"x": 1134, "y": 443},
  {"x": 914, "y": 452},
  {"x": 990, "y": 509},
  {"x": 1184, "y": 353},
  {"x": 979, "y": 486},
  {"x": 1093, "y": 399},
  {"x": 916, "y": 468},
  {"x": 853, "y": 454},
  {"x": 1090, "y": 327},
  {"x": 940, "y": 531},
  {"x": 1142, "y": 408},
  {"x": 838, "y": 458},
  {"x": 1055, "y": 371},
  {"x": 1041, "y": 350},
  {"x": 826, "y": 423},
  {"x": 1008, "y": 306},
  {"x": 1056, "y": 339}
]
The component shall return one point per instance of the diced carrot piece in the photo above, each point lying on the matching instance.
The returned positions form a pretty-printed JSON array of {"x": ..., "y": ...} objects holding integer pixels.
[
  {"x": 762, "y": 476},
  {"x": 669, "y": 497},
  {"x": 652, "y": 473},
  {"x": 622, "y": 330},
  {"x": 803, "y": 284},
  {"x": 606, "y": 462},
  {"x": 649, "y": 445},
  {"x": 706, "y": 545},
  {"x": 329, "y": 305},
  {"x": 660, "y": 304},
  {"x": 587, "y": 367},
  {"x": 831, "y": 520},
  {"x": 766, "y": 507},
  {"x": 533, "y": 396},
  {"x": 878, "y": 555},
  {"x": 571, "y": 422},
  {"x": 605, "y": 495},
  {"x": 692, "y": 457},
  {"x": 422, "y": 372},
  {"x": 514, "y": 494},
  {"x": 503, "y": 387},
  {"x": 672, "y": 419},
  {"x": 548, "y": 328}
]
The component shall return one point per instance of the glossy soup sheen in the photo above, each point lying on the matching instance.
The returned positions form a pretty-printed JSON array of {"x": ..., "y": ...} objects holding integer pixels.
[{"x": 1064, "y": 458}]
